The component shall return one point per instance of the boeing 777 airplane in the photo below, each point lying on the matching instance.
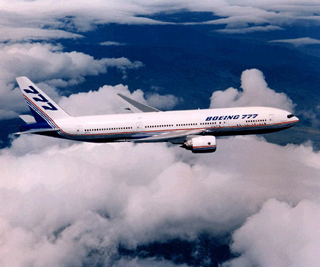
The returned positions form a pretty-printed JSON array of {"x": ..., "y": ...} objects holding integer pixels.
[{"x": 195, "y": 130}]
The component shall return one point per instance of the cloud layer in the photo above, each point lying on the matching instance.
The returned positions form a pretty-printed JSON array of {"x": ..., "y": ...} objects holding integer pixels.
[
  {"x": 298, "y": 41},
  {"x": 100, "y": 196},
  {"x": 59, "y": 19},
  {"x": 279, "y": 235}
]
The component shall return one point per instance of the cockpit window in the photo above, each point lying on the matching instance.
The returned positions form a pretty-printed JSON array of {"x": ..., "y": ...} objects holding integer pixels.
[{"x": 290, "y": 116}]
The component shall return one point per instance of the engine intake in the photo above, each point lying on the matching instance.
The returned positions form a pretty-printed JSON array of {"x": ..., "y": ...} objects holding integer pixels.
[{"x": 201, "y": 144}]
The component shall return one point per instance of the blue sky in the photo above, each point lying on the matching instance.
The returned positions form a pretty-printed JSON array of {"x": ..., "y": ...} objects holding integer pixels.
[{"x": 81, "y": 204}]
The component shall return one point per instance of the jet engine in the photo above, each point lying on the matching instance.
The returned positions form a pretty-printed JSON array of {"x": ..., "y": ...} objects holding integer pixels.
[{"x": 201, "y": 144}]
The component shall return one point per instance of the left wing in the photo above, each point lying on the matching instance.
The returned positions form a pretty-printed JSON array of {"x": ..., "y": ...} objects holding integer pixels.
[{"x": 170, "y": 137}]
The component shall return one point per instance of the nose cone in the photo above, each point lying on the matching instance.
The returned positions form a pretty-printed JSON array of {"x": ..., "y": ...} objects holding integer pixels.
[
  {"x": 295, "y": 119},
  {"x": 292, "y": 119}
]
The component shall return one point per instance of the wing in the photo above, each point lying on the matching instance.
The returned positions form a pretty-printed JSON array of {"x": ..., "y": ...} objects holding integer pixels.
[
  {"x": 172, "y": 137},
  {"x": 137, "y": 107}
]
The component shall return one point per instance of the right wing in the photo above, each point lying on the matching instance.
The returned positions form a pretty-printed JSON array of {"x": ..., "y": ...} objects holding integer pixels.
[
  {"x": 172, "y": 137},
  {"x": 137, "y": 107}
]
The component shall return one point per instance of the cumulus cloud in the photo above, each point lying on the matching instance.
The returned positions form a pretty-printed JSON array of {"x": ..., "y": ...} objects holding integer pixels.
[
  {"x": 255, "y": 92},
  {"x": 163, "y": 102},
  {"x": 47, "y": 63},
  {"x": 103, "y": 101},
  {"x": 106, "y": 101},
  {"x": 50, "y": 62},
  {"x": 279, "y": 235},
  {"x": 100, "y": 196},
  {"x": 298, "y": 41}
]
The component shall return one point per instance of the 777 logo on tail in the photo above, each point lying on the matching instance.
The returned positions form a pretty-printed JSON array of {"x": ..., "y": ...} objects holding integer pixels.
[{"x": 40, "y": 98}]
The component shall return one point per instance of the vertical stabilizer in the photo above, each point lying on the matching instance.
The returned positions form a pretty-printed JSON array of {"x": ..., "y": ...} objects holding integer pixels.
[{"x": 43, "y": 108}]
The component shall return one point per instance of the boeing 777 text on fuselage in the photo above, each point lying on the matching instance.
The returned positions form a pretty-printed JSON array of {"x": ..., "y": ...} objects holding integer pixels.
[{"x": 195, "y": 130}]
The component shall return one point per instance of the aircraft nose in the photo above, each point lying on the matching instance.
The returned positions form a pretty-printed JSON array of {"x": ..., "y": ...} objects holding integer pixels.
[
  {"x": 295, "y": 119},
  {"x": 292, "y": 118}
]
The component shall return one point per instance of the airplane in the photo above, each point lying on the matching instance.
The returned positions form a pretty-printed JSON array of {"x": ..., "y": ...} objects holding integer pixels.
[{"x": 194, "y": 130}]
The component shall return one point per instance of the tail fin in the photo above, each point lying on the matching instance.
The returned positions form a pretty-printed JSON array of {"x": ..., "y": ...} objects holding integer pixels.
[{"x": 43, "y": 108}]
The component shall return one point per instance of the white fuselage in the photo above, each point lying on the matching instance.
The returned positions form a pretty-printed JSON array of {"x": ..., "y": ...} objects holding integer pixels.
[
  {"x": 196, "y": 130},
  {"x": 138, "y": 126}
]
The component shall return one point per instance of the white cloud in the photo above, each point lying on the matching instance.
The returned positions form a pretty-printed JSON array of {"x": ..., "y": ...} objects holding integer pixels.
[
  {"x": 279, "y": 235},
  {"x": 47, "y": 63},
  {"x": 101, "y": 195},
  {"x": 298, "y": 41},
  {"x": 64, "y": 19},
  {"x": 163, "y": 102},
  {"x": 250, "y": 29},
  {"x": 28, "y": 34},
  {"x": 106, "y": 101},
  {"x": 255, "y": 92},
  {"x": 110, "y": 43},
  {"x": 103, "y": 101}
]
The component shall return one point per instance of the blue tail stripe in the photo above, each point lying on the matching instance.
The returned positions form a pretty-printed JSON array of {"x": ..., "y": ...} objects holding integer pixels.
[{"x": 39, "y": 116}]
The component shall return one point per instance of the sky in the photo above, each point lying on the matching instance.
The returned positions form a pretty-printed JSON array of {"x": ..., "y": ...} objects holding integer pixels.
[{"x": 254, "y": 202}]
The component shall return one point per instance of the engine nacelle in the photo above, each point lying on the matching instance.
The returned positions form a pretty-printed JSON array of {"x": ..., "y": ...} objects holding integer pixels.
[{"x": 201, "y": 144}]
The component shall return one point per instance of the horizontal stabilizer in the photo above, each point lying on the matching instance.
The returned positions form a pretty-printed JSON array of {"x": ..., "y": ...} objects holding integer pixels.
[
  {"x": 137, "y": 107},
  {"x": 169, "y": 136},
  {"x": 38, "y": 131},
  {"x": 27, "y": 119}
]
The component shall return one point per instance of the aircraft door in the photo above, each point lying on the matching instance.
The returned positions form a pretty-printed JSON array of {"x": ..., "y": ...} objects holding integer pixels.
[
  {"x": 79, "y": 129},
  {"x": 271, "y": 118},
  {"x": 139, "y": 126}
]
